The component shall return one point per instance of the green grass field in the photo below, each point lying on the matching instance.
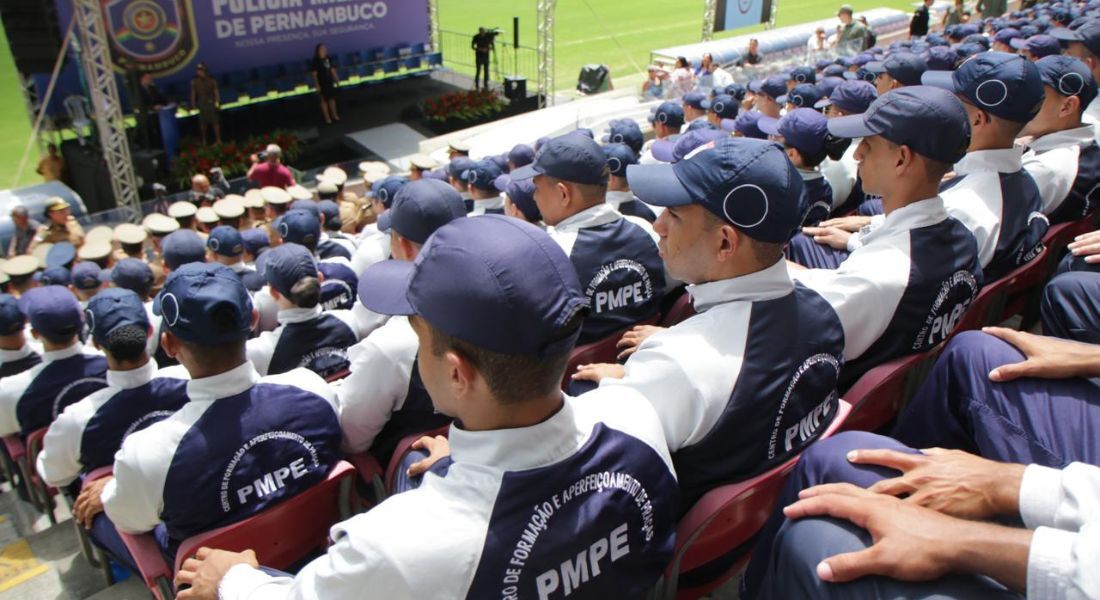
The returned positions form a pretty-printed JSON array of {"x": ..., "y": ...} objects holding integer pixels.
[{"x": 618, "y": 33}]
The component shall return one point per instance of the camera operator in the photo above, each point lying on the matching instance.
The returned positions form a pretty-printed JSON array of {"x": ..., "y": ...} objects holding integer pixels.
[
  {"x": 482, "y": 45},
  {"x": 269, "y": 170}
]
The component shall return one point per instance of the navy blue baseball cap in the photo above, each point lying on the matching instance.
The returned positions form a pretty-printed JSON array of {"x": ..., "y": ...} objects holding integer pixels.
[
  {"x": 748, "y": 183},
  {"x": 331, "y": 212},
  {"x": 803, "y": 95},
  {"x": 1005, "y": 85},
  {"x": 695, "y": 100},
  {"x": 132, "y": 274},
  {"x": 254, "y": 239},
  {"x": 55, "y": 276},
  {"x": 1006, "y": 35},
  {"x": 495, "y": 282},
  {"x": 724, "y": 106},
  {"x": 905, "y": 67},
  {"x": 300, "y": 227},
  {"x": 803, "y": 128},
  {"x": 521, "y": 155},
  {"x": 482, "y": 174},
  {"x": 803, "y": 74},
  {"x": 1088, "y": 33},
  {"x": 827, "y": 85},
  {"x": 833, "y": 71},
  {"x": 12, "y": 319},
  {"x": 61, "y": 254},
  {"x": 619, "y": 157},
  {"x": 286, "y": 265},
  {"x": 1038, "y": 45},
  {"x": 85, "y": 276},
  {"x": 385, "y": 189},
  {"x": 522, "y": 195},
  {"x": 863, "y": 58},
  {"x": 205, "y": 304},
  {"x": 700, "y": 124},
  {"x": 967, "y": 50},
  {"x": 52, "y": 310},
  {"x": 573, "y": 158},
  {"x": 674, "y": 151},
  {"x": 671, "y": 114},
  {"x": 861, "y": 75},
  {"x": 225, "y": 241},
  {"x": 1069, "y": 77},
  {"x": 423, "y": 207},
  {"x": 977, "y": 39},
  {"x": 500, "y": 160},
  {"x": 625, "y": 131},
  {"x": 774, "y": 86},
  {"x": 930, "y": 120},
  {"x": 736, "y": 90},
  {"x": 181, "y": 247},
  {"x": 111, "y": 309},
  {"x": 457, "y": 166},
  {"x": 941, "y": 58},
  {"x": 307, "y": 205},
  {"x": 853, "y": 97},
  {"x": 746, "y": 125}
]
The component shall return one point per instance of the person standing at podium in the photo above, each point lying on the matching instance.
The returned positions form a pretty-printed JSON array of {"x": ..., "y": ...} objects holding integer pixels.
[
  {"x": 206, "y": 99},
  {"x": 326, "y": 81},
  {"x": 482, "y": 45}
]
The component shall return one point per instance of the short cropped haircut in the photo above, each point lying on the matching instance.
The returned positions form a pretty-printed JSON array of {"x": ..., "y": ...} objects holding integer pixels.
[
  {"x": 306, "y": 293},
  {"x": 126, "y": 343}
]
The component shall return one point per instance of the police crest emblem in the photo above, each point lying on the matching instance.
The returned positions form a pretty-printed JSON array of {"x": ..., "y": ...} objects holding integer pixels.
[{"x": 158, "y": 36}]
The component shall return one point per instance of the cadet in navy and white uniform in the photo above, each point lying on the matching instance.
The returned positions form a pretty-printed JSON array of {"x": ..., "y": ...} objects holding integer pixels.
[
  {"x": 307, "y": 337},
  {"x": 69, "y": 371},
  {"x": 913, "y": 274},
  {"x": 615, "y": 257},
  {"x": 456, "y": 174},
  {"x": 87, "y": 434},
  {"x": 619, "y": 196},
  {"x": 1063, "y": 157},
  {"x": 750, "y": 380},
  {"x": 17, "y": 354},
  {"x": 226, "y": 247},
  {"x": 84, "y": 282},
  {"x": 324, "y": 247},
  {"x": 331, "y": 225},
  {"x": 804, "y": 134},
  {"x": 851, "y": 97},
  {"x": 240, "y": 444},
  {"x": 1084, "y": 43},
  {"x": 373, "y": 245},
  {"x": 547, "y": 496},
  {"x": 666, "y": 120},
  {"x": 481, "y": 181},
  {"x": 384, "y": 398},
  {"x": 256, "y": 242},
  {"x": 519, "y": 199},
  {"x": 135, "y": 275},
  {"x": 339, "y": 286},
  {"x": 991, "y": 193}
]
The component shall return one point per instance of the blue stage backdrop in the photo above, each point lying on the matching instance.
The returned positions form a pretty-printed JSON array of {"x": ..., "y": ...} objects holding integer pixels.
[
  {"x": 734, "y": 14},
  {"x": 169, "y": 37}
]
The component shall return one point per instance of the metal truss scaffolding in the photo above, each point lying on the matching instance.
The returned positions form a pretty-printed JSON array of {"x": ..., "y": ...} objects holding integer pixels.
[
  {"x": 106, "y": 106},
  {"x": 710, "y": 12},
  {"x": 546, "y": 52},
  {"x": 433, "y": 25}
]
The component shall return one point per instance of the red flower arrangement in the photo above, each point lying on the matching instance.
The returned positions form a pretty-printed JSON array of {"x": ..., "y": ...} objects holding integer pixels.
[
  {"x": 232, "y": 157},
  {"x": 470, "y": 105}
]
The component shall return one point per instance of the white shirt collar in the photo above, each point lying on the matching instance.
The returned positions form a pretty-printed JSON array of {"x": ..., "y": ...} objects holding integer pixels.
[
  {"x": 232, "y": 382},
  {"x": 7, "y": 356},
  {"x": 480, "y": 206},
  {"x": 238, "y": 267},
  {"x": 52, "y": 355},
  {"x": 811, "y": 174},
  {"x": 133, "y": 378},
  {"x": 1002, "y": 160},
  {"x": 520, "y": 448},
  {"x": 773, "y": 282},
  {"x": 298, "y": 315},
  {"x": 617, "y": 197},
  {"x": 911, "y": 216},
  {"x": 1078, "y": 136},
  {"x": 595, "y": 216}
]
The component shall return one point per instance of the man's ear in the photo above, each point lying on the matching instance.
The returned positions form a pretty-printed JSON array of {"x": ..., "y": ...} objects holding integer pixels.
[
  {"x": 169, "y": 343},
  {"x": 463, "y": 375}
]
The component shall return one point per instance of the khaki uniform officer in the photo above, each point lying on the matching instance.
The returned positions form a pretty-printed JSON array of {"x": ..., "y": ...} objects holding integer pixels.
[
  {"x": 278, "y": 202},
  {"x": 207, "y": 218},
  {"x": 97, "y": 252},
  {"x": 131, "y": 241},
  {"x": 158, "y": 226},
  {"x": 230, "y": 210},
  {"x": 60, "y": 226},
  {"x": 184, "y": 214},
  {"x": 254, "y": 203}
]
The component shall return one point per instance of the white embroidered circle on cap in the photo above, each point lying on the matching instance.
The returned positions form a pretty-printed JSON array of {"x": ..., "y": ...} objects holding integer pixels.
[
  {"x": 719, "y": 107},
  {"x": 214, "y": 244},
  {"x": 617, "y": 138},
  {"x": 284, "y": 229},
  {"x": 614, "y": 164},
  {"x": 383, "y": 194},
  {"x": 89, "y": 320},
  {"x": 1073, "y": 86},
  {"x": 170, "y": 309},
  {"x": 662, "y": 117},
  {"x": 992, "y": 92},
  {"x": 750, "y": 194}
]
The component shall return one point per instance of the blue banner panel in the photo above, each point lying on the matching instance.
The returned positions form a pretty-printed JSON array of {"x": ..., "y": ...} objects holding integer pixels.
[{"x": 735, "y": 14}]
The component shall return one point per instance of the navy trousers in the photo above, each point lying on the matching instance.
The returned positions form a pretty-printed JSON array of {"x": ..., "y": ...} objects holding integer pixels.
[
  {"x": 1071, "y": 307},
  {"x": 1050, "y": 422},
  {"x": 803, "y": 250},
  {"x": 786, "y": 556}
]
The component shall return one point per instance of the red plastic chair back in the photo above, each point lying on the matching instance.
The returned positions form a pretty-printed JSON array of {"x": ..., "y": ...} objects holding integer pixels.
[
  {"x": 602, "y": 351},
  {"x": 879, "y": 395},
  {"x": 403, "y": 447},
  {"x": 727, "y": 518},
  {"x": 287, "y": 532},
  {"x": 680, "y": 311},
  {"x": 337, "y": 376}
]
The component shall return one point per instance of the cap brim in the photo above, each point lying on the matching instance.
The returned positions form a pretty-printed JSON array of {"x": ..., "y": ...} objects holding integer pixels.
[
  {"x": 657, "y": 185},
  {"x": 729, "y": 125},
  {"x": 385, "y": 221},
  {"x": 769, "y": 125},
  {"x": 850, "y": 126},
  {"x": 822, "y": 103},
  {"x": 1018, "y": 43},
  {"x": 1064, "y": 34},
  {"x": 781, "y": 99},
  {"x": 705, "y": 104},
  {"x": 384, "y": 287},
  {"x": 875, "y": 67},
  {"x": 500, "y": 184},
  {"x": 522, "y": 173},
  {"x": 663, "y": 150},
  {"x": 940, "y": 79}
]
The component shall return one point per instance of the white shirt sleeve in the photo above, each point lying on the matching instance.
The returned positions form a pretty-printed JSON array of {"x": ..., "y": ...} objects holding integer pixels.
[
  {"x": 135, "y": 497},
  {"x": 377, "y": 386},
  {"x": 1054, "y": 172},
  {"x": 11, "y": 389},
  {"x": 348, "y": 318},
  {"x": 1064, "y": 508},
  {"x": 260, "y": 350},
  {"x": 267, "y": 308},
  {"x": 59, "y": 462},
  {"x": 366, "y": 320}
]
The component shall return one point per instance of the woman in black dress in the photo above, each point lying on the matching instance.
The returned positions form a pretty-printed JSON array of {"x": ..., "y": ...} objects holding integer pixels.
[{"x": 326, "y": 81}]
